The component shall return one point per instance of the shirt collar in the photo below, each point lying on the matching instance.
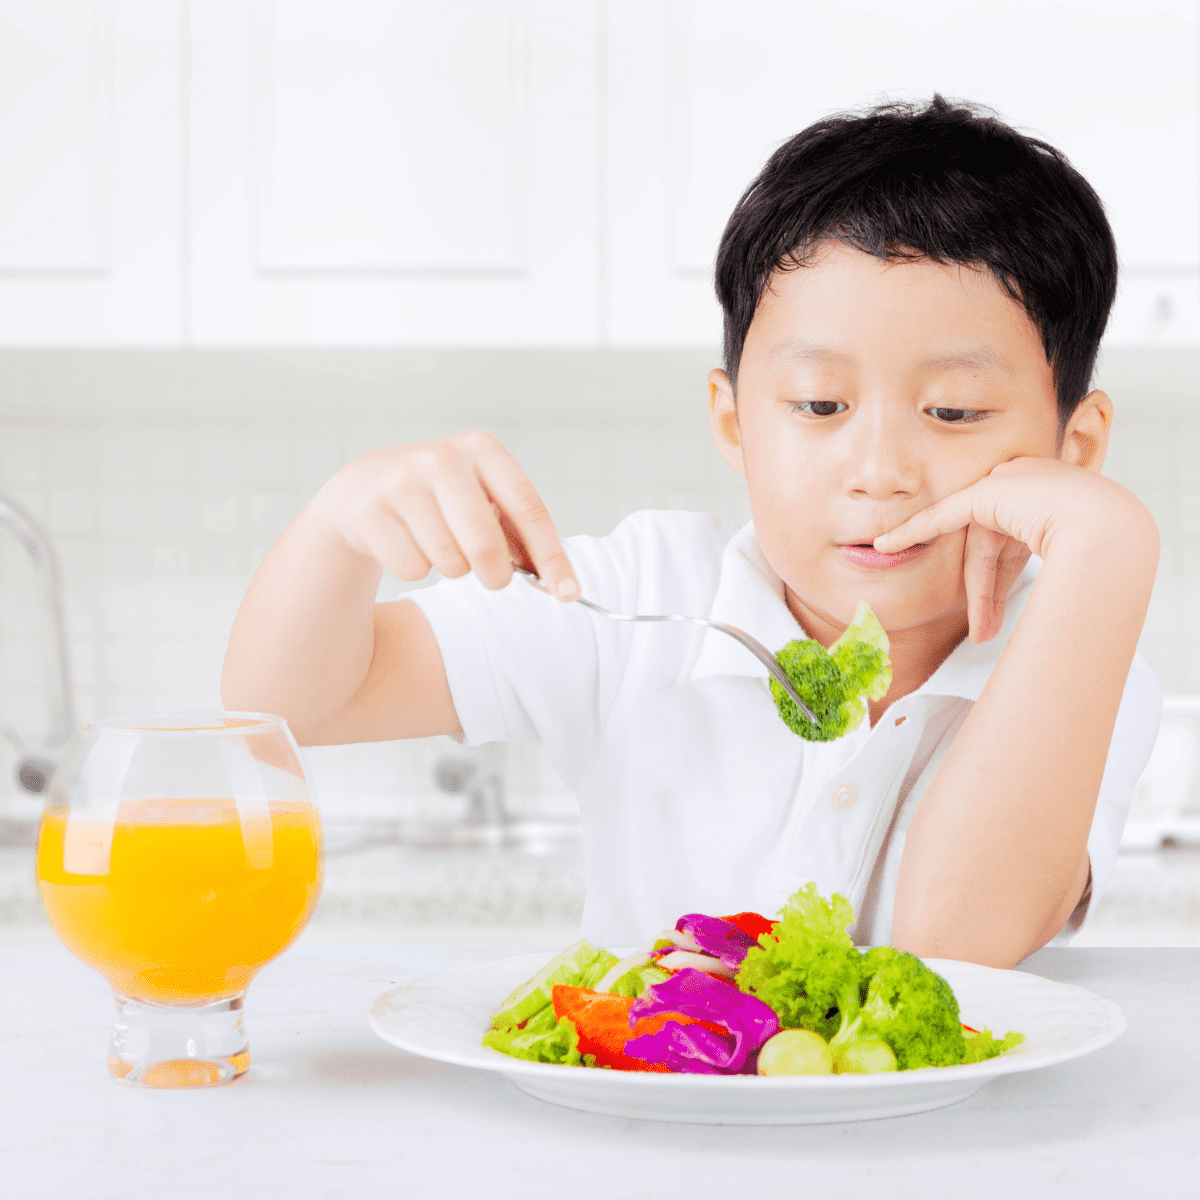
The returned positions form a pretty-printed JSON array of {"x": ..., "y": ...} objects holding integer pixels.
[{"x": 750, "y": 595}]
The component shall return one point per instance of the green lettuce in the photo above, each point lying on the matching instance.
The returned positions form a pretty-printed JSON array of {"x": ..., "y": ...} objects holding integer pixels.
[
  {"x": 543, "y": 1038},
  {"x": 984, "y": 1045},
  {"x": 806, "y": 964}
]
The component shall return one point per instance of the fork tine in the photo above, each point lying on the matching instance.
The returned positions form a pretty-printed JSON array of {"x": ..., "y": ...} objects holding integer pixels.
[{"x": 769, "y": 661}]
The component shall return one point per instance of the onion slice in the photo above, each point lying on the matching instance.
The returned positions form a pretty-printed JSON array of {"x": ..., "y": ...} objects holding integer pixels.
[
  {"x": 638, "y": 959},
  {"x": 679, "y": 960}
]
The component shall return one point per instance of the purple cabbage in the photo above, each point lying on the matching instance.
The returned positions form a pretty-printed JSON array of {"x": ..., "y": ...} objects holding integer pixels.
[
  {"x": 692, "y": 1048},
  {"x": 721, "y": 939}
]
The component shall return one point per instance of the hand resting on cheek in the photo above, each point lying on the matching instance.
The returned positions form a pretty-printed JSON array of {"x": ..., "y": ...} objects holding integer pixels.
[{"x": 1021, "y": 507}]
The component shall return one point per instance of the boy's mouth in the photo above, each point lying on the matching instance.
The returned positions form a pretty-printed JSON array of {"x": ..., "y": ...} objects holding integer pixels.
[{"x": 863, "y": 554}]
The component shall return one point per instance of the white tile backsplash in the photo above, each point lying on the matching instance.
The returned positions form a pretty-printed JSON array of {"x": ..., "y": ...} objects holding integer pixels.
[{"x": 161, "y": 510}]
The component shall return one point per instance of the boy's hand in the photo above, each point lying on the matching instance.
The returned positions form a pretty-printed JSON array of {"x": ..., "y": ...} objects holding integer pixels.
[
  {"x": 1023, "y": 506},
  {"x": 459, "y": 504}
]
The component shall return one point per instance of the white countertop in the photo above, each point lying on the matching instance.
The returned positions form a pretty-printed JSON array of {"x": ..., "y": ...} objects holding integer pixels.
[{"x": 329, "y": 1110}]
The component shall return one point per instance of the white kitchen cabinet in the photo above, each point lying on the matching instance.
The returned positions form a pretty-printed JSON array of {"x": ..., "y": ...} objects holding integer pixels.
[
  {"x": 399, "y": 173},
  {"x": 516, "y": 172},
  {"x": 699, "y": 92},
  {"x": 90, "y": 132}
]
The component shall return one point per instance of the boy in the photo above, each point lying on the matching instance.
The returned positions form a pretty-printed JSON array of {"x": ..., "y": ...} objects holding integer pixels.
[{"x": 913, "y": 300}]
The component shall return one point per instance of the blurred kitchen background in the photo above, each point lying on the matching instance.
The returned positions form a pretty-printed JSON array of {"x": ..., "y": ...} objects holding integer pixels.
[{"x": 244, "y": 241}]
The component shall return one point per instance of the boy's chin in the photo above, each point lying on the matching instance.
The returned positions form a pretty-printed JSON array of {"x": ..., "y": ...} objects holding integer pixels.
[{"x": 897, "y": 609}]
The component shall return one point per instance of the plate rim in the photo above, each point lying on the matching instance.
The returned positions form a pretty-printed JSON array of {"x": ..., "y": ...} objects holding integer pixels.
[{"x": 504, "y": 1064}]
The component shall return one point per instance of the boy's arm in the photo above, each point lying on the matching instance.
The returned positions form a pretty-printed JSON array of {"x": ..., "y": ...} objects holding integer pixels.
[
  {"x": 996, "y": 857},
  {"x": 309, "y": 643}
]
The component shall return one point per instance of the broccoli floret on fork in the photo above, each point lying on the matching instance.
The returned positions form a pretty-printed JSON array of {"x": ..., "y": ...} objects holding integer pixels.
[{"x": 835, "y": 683}]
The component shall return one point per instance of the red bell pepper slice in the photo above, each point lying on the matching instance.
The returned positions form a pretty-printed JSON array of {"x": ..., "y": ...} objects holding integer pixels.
[{"x": 752, "y": 924}]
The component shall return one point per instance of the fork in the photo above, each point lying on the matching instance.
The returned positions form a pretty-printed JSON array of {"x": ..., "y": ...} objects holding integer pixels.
[{"x": 755, "y": 647}]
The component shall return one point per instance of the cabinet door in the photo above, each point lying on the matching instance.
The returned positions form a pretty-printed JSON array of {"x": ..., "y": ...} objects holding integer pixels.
[
  {"x": 89, "y": 172},
  {"x": 700, "y": 93},
  {"x": 398, "y": 173}
]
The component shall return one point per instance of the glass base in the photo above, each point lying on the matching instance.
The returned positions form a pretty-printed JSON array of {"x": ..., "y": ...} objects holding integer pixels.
[{"x": 172, "y": 1046}]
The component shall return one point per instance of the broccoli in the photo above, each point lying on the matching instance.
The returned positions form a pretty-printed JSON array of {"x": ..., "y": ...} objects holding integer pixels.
[
  {"x": 835, "y": 683},
  {"x": 874, "y": 1007},
  {"x": 908, "y": 1007}
]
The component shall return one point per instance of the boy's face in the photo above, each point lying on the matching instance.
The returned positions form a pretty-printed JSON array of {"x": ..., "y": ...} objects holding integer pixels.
[{"x": 867, "y": 391}]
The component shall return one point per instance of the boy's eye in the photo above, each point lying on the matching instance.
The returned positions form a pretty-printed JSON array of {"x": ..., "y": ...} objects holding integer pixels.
[
  {"x": 819, "y": 408},
  {"x": 958, "y": 416}
]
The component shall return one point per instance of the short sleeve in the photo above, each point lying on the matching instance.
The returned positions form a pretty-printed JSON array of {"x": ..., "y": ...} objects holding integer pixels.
[
  {"x": 1133, "y": 738},
  {"x": 523, "y": 666}
]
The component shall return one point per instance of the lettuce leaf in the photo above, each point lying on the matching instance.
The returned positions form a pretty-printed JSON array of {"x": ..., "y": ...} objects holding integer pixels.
[
  {"x": 984, "y": 1045},
  {"x": 542, "y": 1038},
  {"x": 806, "y": 965}
]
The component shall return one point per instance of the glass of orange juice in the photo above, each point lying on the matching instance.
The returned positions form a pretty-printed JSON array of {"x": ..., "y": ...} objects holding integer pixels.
[{"x": 177, "y": 854}]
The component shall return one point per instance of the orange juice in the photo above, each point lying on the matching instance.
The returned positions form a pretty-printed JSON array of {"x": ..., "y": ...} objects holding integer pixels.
[{"x": 188, "y": 899}]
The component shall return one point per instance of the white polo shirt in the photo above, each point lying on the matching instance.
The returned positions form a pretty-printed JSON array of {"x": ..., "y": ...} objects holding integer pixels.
[{"x": 694, "y": 795}]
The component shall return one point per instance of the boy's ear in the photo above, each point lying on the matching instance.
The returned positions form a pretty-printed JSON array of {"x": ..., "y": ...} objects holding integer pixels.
[
  {"x": 722, "y": 412},
  {"x": 1085, "y": 442}
]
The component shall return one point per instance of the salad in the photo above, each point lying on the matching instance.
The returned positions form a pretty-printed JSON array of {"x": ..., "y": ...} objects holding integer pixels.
[{"x": 743, "y": 995}]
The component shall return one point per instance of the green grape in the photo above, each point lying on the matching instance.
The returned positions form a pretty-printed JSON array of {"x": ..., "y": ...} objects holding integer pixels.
[
  {"x": 795, "y": 1052},
  {"x": 864, "y": 1057}
]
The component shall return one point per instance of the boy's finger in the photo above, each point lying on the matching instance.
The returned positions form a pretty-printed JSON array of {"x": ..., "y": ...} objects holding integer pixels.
[
  {"x": 921, "y": 528},
  {"x": 529, "y": 523},
  {"x": 981, "y": 564},
  {"x": 948, "y": 514},
  {"x": 1012, "y": 562},
  {"x": 389, "y": 542},
  {"x": 472, "y": 520},
  {"x": 433, "y": 535}
]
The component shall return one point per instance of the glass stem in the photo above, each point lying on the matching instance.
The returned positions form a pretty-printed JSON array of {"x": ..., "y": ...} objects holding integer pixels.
[{"x": 176, "y": 1045}]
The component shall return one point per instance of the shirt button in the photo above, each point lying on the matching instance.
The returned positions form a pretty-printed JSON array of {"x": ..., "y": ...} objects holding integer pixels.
[{"x": 844, "y": 796}]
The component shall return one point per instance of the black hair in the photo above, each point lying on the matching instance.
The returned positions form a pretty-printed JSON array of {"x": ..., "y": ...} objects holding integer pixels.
[{"x": 946, "y": 182}]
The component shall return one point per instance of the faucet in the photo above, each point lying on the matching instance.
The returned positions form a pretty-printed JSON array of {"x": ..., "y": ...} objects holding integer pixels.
[
  {"x": 488, "y": 823},
  {"x": 479, "y": 773},
  {"x": 35, "y": 766}
]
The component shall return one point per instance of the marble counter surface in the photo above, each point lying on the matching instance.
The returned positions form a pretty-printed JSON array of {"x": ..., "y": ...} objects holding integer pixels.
[{"x": 329, "y": 1111}]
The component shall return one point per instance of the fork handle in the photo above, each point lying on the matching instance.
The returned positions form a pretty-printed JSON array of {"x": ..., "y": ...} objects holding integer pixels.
[{"x": 743, "y": 639}]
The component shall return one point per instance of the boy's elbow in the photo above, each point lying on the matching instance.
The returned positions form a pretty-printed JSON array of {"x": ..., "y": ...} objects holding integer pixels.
[
  {"x": 988, "y": 948},
  {"x": 1000, "y": 933},
  {"x": 238, "y": 696},
  {"x": 235, "y": 698}
]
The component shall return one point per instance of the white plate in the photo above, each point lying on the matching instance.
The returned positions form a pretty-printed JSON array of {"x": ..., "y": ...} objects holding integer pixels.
[{"x": 443, "y": 1016}]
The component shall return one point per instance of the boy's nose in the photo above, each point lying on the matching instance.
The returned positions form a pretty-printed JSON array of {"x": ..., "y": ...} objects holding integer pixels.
[{"x": 883, "y": 467}]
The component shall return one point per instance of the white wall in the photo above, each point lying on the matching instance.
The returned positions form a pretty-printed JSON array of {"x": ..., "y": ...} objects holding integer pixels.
[{"x": 164, "y": 478}]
